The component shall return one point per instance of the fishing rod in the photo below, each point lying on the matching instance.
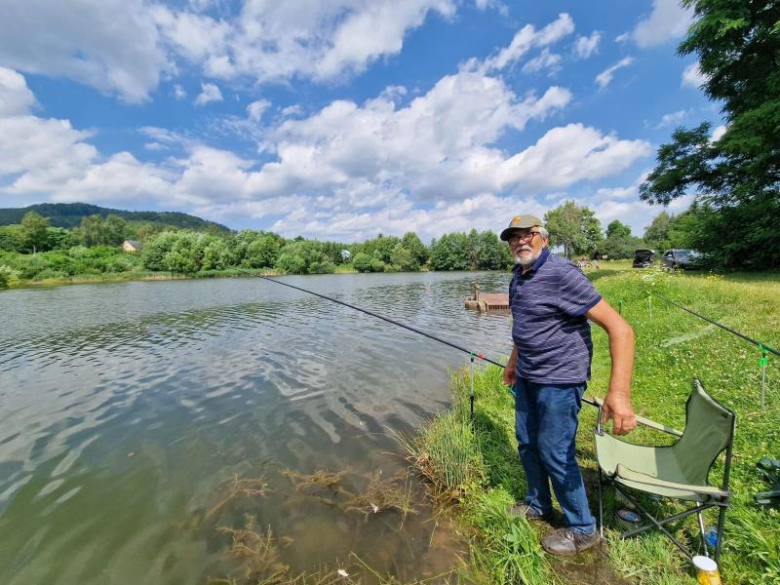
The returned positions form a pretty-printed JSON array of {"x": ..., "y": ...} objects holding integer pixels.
[
  {"x": 593, "y": 402},
  {"x": 762, "y": 346},
  {"x": 389, "y": 320}
]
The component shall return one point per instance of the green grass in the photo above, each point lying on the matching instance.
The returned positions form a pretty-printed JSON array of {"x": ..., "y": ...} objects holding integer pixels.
[{"x": 478, "y": 462}]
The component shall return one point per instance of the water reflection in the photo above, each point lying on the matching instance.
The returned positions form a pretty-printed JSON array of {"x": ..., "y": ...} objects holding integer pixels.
[{"x": 124, "y": 407}]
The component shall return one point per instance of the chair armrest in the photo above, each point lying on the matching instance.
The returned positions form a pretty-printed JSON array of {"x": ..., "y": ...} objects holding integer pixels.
[
  {"x": 622, "y": 472},
  {"x": 598, "y": 402}
]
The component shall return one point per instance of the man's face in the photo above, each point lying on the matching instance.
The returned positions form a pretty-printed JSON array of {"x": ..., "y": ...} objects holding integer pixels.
[{"x": 526, "y": 246}]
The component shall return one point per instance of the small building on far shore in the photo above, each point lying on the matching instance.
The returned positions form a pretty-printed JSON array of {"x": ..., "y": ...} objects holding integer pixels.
[{"x": 132, "y": 246}]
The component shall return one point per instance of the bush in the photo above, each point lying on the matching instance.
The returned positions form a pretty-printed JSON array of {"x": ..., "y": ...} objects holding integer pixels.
[
  {"x": 31, "y": 266},
  {"x": 362, "y": 262},
  {"x": 305, "y": 257},
  {"x": 49, "y": 273},
  {"x": 5, "y": 277},
  {"x": 365, "y": 263}
]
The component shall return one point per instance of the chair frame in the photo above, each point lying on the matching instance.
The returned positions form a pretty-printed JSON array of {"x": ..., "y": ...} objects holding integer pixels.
[{"x": 721, "y": 503}]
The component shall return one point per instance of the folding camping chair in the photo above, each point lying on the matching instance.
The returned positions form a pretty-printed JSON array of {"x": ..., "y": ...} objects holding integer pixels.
[{"x": 679, "y": 471}]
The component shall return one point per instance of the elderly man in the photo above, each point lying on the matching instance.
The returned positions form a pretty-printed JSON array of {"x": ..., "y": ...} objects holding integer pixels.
[{"x": 552, "y": 302}]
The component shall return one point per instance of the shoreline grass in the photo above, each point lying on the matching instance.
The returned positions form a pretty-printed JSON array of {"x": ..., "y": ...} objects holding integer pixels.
[{"x": 477, "y": 464}]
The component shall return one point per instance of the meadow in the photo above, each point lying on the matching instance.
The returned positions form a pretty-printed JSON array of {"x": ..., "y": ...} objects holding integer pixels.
[{"x": 476, "y": 464}]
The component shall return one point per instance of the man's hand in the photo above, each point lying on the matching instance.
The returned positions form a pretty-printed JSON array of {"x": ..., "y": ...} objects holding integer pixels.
[
  {"x": 509, "y": 375},
  {"x": 617, "y": 406}
]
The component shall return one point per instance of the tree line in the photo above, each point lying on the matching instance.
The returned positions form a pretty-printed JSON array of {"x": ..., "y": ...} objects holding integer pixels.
[{"x": 33, "y": 250}]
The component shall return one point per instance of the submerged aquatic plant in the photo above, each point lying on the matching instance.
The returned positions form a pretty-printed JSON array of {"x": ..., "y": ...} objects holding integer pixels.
[
  {"x": 257, "y": 551},
  {"x": 237, "y": 487},
  {"x": 393, "y": 493},
  {"x": 318, "y": 480}
]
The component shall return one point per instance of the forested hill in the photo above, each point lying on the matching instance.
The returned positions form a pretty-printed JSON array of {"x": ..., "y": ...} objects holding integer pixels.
[{"x": 69, "y": 215}]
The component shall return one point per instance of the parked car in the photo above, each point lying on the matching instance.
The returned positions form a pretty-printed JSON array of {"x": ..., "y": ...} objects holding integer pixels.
[
  {"x": 643, "y": 258},
  {"x": 686, "y": 259}
]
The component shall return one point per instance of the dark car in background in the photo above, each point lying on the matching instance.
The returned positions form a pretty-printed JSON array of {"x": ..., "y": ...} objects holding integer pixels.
[
  {"x": 685, "y": 259},
  {"x": 643, "y": 258}
]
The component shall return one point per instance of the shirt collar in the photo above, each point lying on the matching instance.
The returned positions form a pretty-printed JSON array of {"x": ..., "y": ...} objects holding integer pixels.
[{"x": 537, "y": 264}]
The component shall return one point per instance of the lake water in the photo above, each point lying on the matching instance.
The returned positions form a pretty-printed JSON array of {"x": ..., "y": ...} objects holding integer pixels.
[{"x": 132, "y": 414}]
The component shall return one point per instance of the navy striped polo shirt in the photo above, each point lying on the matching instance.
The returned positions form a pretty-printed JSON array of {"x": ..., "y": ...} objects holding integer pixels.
[{"x": 549, "y": 328}]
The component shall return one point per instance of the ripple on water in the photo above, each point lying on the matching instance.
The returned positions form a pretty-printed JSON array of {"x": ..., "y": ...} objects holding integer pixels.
[{"x": 123, "y": 407}]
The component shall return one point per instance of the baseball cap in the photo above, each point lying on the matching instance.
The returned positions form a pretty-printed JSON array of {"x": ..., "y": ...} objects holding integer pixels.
[{"x": 520, "y": 222}]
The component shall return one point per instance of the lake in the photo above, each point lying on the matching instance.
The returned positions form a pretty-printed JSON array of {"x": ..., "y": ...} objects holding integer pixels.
[{"x": 144, "y": 425}]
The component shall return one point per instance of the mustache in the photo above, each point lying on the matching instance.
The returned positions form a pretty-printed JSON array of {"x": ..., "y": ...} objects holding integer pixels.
[{"x": 525, "y": 248}]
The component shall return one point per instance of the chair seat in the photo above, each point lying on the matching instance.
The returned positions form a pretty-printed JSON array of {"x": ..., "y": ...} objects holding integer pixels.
[{"x": 653, "y": 470}]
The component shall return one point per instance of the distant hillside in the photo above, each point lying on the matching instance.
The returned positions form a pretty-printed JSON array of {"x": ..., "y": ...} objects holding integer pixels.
[{"x": 69, "y": 215}]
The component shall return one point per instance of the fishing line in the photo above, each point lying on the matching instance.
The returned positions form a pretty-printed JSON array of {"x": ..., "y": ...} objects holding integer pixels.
[
  {"x": 377, "y": 315},
  {"x": 762, "y": 346},
  {"x": 593, "y": 402}
]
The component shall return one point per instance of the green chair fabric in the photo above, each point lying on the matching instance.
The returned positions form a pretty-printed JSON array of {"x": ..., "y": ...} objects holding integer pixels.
[{"x": 679, "y": 471}]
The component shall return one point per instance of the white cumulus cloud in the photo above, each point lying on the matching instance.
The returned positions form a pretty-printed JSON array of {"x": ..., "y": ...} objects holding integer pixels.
[
  {"x": 668, "y": 20},
  {"x": 693, "y": 77},
  {"x": 15, "y": 97},
  {"x": 545, "y": 60},
  {"x": 209, "y": 93},
  {"x": 345, "y": 171},
  {"x": 126, "y": 47},
  {"x": 256, "y": 109},
  {"x": 274, "y": 41},
  {"x": 605, "y": 77},
  {"x": 526, "y": 39},
  {"x": 673, "y": 118},
  {"x": 112, "y": 45},
  {"x": 718, "y": 133},
  {"x": 584, "y": 47}
]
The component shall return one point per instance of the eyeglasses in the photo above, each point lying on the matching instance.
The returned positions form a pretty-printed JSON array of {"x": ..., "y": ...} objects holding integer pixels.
[{"x": 522, "y": 237}]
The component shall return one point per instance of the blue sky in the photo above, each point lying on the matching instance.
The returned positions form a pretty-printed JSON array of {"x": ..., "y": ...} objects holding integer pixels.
[{"x": 342, "y": 119}]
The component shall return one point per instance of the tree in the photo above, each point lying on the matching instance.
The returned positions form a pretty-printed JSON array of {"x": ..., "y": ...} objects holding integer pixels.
[
  {"x": 617, "y": 229},
  {"x": 362, "y": 262},
  {"x": 263, "y": 252},
  {"x": 575, "y": 228},
  {"x": 381, "y": 247},
  {"x": 9, "y": 239},
  {"x": 657, "y": 233},
  {"x": 494, "y": 254},
  {"x": 155, "y": 250},
  {"x": 450, "y": 252},
  {"x": 736, "y": 179},
  {"x": 412, "y": 242},
  {"x": 33, "y": 233},
  {"x": 92, "y": 230},
  {"x": 619, "y": 242},
  {"x": 114, "y": 230},
  {"x": 216, "y": 256},
  {"x": 59, "y": 239},
  {"x": 304, "y": 257}
]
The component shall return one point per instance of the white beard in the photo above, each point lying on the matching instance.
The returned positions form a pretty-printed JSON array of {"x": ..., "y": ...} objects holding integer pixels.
[{"x": 526, "y": 262}]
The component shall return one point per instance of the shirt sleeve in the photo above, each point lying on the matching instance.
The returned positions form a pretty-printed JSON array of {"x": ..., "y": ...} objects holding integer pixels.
[{"x": 577, "y": 293}]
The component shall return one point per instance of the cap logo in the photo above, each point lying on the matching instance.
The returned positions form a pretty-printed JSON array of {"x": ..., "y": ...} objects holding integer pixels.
[{"x": 517, "y": 219}]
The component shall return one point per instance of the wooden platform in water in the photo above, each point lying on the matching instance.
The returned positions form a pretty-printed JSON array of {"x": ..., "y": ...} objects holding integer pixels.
[{"x": 489, "y": 302}]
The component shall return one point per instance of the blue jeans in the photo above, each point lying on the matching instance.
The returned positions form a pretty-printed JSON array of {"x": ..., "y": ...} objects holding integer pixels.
[{"x": 545, "y": 427}]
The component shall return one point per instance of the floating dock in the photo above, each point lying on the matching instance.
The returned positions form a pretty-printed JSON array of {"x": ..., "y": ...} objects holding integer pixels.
[{"x": 487, "y": 301}]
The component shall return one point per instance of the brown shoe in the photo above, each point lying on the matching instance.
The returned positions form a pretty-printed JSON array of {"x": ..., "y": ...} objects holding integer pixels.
[
  {"x": 529, "y": 513},
  {"x": 565, "y": 542}
]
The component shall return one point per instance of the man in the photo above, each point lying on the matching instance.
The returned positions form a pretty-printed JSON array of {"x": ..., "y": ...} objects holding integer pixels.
[{"x": 552, "y": 302}]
